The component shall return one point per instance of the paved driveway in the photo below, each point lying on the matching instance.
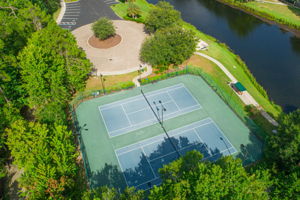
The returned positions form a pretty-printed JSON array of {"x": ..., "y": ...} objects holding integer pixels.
[{"x": 84, "y": 12}]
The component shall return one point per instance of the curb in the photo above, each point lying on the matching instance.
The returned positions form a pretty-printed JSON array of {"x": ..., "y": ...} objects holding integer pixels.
[{"x": 62, "y": 11}]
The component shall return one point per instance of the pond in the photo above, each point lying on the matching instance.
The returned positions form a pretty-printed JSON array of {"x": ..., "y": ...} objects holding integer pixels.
[{"x": 272, "y": 55}]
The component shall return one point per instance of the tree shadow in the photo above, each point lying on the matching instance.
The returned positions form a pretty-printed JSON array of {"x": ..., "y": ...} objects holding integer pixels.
[
  {"x": 241, "y": 23},
  {"x": 109, "y": 175},
  {"x": 295, "y": 43},
  {"x": 253, "y": 151},
  {"x": 145, "y": 173}
]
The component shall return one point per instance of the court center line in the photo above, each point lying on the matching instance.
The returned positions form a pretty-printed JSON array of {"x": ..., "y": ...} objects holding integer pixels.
[
  {"x": 149, "y": 122},
  {"x": 167, "y": 155},
  {"x": 121, "y": 169},
  {"x": 146, "y": 108},
  {"x": 126, "y": 115},
  {"x": 148, "y": 94},
  {"x": 149, "y": 163},
  {"x": 158, "y": 140},
  {"x": 167, "y": 116},
  {"x": 173, "y": 100},
  {"x": 146, "y": 182},
  {"x": 195, "y": 132}
]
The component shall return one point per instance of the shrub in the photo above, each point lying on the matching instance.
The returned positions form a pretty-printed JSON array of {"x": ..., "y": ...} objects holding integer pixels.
[
  {"x": 133, "y": 10},
  {"x": 103, "y": 28}
]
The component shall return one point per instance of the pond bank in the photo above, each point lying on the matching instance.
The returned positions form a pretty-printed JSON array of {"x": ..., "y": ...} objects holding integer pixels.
[{"x": 265, "y": 16}]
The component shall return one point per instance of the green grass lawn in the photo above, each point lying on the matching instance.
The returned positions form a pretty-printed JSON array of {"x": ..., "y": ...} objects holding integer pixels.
[
  {"x": 282, "y": 14},
  {"x": 55, "y": 15},
  {"x": 233, "y": 63},
  {"x": 121, "y": 9},
  {"x": 222, "y": 53},
  {"x": 286, "y": 14}
]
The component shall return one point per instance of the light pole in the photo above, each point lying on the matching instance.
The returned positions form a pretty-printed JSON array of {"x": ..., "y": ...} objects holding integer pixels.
[
  {"x": 102, "y": 83},
  {"x": 140, "y": 73},
  {"x": 163, "y": 109}
]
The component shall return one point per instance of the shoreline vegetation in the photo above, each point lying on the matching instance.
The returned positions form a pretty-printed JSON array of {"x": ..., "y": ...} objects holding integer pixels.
[
  {"x": 219, "y": 51},
  {"x": 286, "y": 17}
]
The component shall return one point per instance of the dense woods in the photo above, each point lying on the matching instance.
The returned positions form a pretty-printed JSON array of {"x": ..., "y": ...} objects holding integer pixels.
[{"x": 41, "y": 68}]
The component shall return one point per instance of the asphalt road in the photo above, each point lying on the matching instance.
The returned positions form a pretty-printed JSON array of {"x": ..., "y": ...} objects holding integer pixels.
[{"x": 84, "y": 12}]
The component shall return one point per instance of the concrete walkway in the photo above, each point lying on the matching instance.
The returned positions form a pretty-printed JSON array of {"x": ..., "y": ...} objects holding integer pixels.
[
  {"x": 62, "y": 11},
  {"x": 245, "y": 97},
  {"x": 120, "y": 59},
  {"x": 272, "y": 2},
  {"x": 143, "y": 75}
]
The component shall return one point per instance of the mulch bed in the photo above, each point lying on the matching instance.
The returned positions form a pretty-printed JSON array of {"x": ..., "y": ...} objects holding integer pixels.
[{"x": 104, "y": 44}]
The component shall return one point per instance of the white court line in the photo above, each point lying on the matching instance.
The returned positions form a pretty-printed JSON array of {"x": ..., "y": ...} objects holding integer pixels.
[
  {"x": 121, "y": 168},
  {"x": 167, "y": 116},
  {"x": 148, "y": 94},
  {"x": 173, "y": 100},
  {"x": 147, "y": 107},
  {"x": 158, "y": 140},
  {"x": 146, "y": 182},
  {"x": 126, "y": 116},
  {"x": 148, "y": 163},
  {"x": 103, "y": 122},
  {"x": 222, "y": 133},
  {"x": 138, "y": 98}
]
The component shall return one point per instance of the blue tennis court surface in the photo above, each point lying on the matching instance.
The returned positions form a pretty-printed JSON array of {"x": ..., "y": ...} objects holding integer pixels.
[
  {"x": 130, "y": 114},
  {"x": 140, "y": 162}
]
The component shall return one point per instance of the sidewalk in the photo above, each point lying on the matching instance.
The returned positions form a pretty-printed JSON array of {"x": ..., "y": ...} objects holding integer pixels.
[{"x": 245, "y": 97}]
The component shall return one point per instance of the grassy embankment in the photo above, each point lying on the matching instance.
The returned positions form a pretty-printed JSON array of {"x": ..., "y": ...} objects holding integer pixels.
[
  {"x": 56, "y": 13},
  {"x": 281, "y": 14},
  {"x": 220, "y": 52}
]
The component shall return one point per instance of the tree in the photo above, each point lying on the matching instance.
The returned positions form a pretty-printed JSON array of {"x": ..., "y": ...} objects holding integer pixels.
[
  {"x": 133, "y": 10},
  {"x": 168, "y": 46},
  {"x": 189, "y": 178},
  {"x": 53, "y": 68},
  {"x": 47, "y": 156},
  {"x": 103, "y": 28},
  {"x": 163, "y": 15},
  {"x": 104, "y": 193},
  {"x": 283, "y": 148},
  {"x": 49, "y": 6}
]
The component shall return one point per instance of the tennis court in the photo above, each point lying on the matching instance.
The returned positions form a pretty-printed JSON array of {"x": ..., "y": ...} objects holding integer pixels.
[
  {"x": 122, "y": 143},
  {"x": 141, "y": 161},
  {"x": 133, "y": 113}
]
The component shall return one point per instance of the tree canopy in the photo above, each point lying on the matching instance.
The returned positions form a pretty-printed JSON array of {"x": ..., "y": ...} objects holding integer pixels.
[
  {"x": 284, "y": 146},
  {"x": 168, "y": 46},
  {"x": 189, "y": 178},
  {"x": 53, "y": 68},
  {"x": 163, "y": 15},
  {"x": 47, "y": 156}
]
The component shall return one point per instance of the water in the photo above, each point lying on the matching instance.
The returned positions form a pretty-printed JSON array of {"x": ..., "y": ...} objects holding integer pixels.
[{"x": 272, "y": 55}]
